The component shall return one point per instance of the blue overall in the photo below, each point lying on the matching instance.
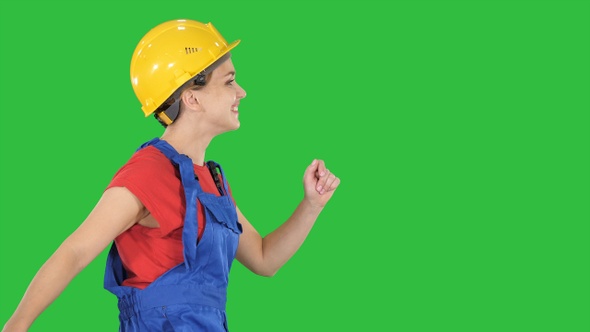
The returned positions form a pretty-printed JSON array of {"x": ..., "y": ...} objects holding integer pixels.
[{"x": 192, "y": 295}]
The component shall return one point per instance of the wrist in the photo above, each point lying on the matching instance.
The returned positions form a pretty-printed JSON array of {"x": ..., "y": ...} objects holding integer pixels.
[{"x": 312, "y": 206}]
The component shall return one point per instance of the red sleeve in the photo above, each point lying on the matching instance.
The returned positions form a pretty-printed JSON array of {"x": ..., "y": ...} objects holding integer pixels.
[{"x": 154, "y": 180}]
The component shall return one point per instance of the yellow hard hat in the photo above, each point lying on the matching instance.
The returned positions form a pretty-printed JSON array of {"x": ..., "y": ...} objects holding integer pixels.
[{"x": 170, "y": 55}]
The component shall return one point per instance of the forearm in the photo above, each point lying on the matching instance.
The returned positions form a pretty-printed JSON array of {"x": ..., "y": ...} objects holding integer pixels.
[
  {"x": 265, "y": 256},
  {"x": 280, "y": 245},
  {"x": 47, "y": 284}
]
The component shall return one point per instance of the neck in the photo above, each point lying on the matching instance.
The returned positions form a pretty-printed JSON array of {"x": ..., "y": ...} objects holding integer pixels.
[{"x": 189, "y": 143}]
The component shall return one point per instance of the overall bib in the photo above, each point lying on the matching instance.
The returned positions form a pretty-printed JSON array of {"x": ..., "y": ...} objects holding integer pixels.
[{"x": 192, "y": 295}]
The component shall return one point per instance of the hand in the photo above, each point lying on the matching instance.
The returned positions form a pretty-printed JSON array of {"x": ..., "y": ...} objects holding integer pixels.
[{"x": 319, "y": 183}]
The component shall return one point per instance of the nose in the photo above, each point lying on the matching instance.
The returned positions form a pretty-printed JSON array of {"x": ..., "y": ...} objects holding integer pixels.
[{"x": 241, "y": 93}]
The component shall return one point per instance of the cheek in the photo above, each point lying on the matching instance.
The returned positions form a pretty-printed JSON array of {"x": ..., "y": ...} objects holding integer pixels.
[
  {"x": 222, "y": 100},
  {"x": 231, "y": 99}
]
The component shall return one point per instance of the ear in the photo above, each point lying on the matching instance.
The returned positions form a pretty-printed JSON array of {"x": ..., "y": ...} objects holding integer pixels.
[{"x": 189, "y": 99}]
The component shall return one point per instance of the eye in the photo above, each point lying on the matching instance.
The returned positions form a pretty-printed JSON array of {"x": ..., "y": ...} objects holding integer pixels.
[{"x": 230, "y": 82}]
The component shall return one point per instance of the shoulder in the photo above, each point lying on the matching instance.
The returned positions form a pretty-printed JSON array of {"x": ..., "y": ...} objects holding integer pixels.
[
  {"x": 150, "y": 155},
  {"x": 149, "y": 158},
  {"x": 146, "y": 164}
]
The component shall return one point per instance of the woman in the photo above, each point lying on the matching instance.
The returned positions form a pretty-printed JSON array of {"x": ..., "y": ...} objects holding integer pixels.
[{"x": 175, "y": 227}]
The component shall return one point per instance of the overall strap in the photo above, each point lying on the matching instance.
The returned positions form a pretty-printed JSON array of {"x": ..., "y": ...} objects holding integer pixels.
[{"x": 191, "y": 190}]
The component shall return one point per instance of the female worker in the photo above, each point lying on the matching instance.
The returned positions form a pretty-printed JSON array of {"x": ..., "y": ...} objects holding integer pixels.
[{"x": 175, "y": 227}]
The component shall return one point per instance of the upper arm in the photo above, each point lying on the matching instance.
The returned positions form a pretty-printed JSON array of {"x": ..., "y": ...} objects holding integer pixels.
[
  {"x": 116, "y": 211},
  {"x": 250, "y": 246}
]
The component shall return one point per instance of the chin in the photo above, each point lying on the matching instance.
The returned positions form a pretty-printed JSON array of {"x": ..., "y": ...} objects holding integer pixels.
[{"x": 232, "y": 128}]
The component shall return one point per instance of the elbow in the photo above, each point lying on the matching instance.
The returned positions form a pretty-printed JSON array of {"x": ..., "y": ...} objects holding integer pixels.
[
  {"x": 269, "y": 275},
  {"x": 266, "y": 272}
]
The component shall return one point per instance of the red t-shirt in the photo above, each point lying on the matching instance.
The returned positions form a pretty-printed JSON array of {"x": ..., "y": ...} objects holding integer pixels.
[{"x": 146, "y": 252}]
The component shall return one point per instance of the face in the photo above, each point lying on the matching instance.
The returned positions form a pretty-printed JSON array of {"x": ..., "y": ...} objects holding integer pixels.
[{"x": 219, "y": 100}]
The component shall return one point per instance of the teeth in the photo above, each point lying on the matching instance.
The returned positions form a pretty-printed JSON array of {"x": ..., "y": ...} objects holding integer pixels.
[{"x": 235, "y": 109}]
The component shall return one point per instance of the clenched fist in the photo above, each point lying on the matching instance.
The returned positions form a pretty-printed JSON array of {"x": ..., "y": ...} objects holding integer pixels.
[{"x": 319, "y": 183}]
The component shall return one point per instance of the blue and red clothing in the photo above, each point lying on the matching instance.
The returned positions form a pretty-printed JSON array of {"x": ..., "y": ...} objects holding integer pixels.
[
  {"x": 147, "y": 253},
  {"x": 190, "y": 296}
]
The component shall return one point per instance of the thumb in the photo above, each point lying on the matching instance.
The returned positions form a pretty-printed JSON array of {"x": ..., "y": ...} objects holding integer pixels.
[{"x": 310, "y": 172}]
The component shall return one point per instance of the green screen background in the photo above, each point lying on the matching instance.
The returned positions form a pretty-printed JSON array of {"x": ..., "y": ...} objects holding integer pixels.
[{"x": 460, "y": 130}]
